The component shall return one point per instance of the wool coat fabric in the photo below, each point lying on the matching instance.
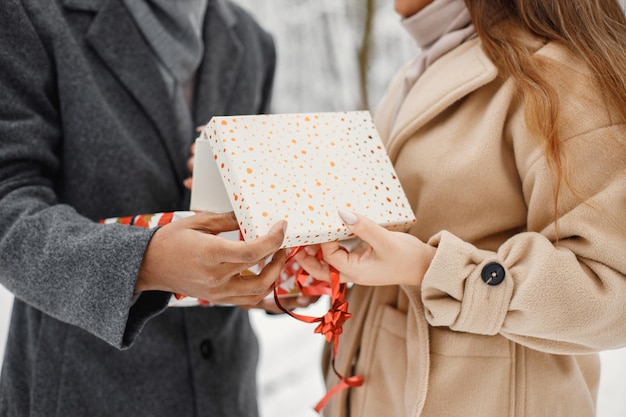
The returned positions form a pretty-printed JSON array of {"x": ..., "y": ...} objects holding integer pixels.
[
  {"x": 87, "y": 132},
  {"x": 514, "y": 307}
]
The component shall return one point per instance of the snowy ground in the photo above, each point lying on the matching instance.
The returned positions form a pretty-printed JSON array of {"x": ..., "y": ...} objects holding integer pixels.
[{"x": 289, "y": 374}]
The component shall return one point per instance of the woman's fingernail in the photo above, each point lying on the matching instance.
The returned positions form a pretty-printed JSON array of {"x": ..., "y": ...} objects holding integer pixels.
[{"x": 348, "y": 217}]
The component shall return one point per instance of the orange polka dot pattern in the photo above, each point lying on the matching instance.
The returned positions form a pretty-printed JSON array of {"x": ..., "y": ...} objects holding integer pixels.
[{"x": 302, "y": 168}]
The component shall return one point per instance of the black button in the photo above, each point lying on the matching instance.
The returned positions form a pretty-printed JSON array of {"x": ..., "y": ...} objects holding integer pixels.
[
  {"x": 206, "y": 349},
  {"x": 493, "y": 273}
]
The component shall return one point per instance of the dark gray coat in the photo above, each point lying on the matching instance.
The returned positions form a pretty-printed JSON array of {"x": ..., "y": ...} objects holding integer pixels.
[{"x": 87, "y": 132}]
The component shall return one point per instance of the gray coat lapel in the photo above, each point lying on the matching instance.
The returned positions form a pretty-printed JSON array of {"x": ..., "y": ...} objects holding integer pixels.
[
  {"x": 217, "y": 76},
  {"x": 132, "y": 62}
]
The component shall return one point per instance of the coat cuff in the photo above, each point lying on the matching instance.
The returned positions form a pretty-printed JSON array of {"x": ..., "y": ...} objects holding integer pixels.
[
  {"x": 465, "y": 288},
  {"x": 147, "y": 305}
]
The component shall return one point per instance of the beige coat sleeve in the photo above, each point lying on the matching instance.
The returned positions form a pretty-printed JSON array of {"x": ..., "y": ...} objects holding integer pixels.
[{"x": 564, "y": 289}]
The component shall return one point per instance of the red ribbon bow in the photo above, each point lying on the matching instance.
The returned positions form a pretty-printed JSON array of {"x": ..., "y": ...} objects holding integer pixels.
[
  {"x": 330, "y": 325},
  {"x": 332, "y": 322}
]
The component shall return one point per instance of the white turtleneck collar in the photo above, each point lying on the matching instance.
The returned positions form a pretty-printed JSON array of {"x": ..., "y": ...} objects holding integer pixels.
[{"x": 437, "y": 29}]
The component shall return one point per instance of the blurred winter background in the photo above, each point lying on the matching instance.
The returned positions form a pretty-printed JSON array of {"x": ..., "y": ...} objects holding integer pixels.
[{"x": 334, "y": 55}]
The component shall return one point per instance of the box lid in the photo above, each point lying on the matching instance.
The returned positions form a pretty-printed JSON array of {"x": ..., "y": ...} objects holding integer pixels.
[{"x": 300, "y": 167}]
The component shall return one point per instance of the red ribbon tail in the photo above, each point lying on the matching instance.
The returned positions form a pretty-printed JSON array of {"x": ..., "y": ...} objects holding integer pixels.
[
  {"x": 329, "y": 394},
  {"x": 330, "y": 324},
  {"x": 344, "y": 383}
]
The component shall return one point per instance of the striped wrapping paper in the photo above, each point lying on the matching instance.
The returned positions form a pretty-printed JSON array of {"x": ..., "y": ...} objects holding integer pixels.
[{"x": 286, "y": 287}]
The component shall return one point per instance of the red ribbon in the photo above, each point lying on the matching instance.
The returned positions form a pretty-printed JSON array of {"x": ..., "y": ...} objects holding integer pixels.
[{"x": 330, "y": 325}]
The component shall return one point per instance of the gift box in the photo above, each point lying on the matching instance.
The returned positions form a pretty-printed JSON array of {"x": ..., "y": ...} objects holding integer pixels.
[{"x": 299, "y": 167}]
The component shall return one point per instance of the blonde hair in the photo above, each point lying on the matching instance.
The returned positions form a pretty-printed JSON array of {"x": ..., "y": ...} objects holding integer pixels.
[{"x": 595, "y": 30}]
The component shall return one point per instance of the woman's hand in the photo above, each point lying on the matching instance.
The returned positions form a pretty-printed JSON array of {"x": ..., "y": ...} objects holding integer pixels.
[
  {"x": 382, "y": 258},
  {"x": 186, "y": 257}
]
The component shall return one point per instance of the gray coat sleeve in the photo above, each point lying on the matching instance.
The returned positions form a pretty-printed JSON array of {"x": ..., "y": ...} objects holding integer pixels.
[{"x": 51, "y": 257}]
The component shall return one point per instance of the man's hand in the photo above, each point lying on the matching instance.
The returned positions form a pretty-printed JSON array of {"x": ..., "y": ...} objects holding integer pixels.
[
  {"x": 187, "y": 182},
  {"x": 186, "y": 257}
]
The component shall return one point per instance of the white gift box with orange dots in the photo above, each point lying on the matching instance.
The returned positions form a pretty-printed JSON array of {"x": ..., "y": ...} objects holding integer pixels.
[{"x": 299, "y": 167}]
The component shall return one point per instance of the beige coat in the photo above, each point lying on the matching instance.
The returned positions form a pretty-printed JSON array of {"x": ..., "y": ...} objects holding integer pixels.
[{"x": 482, "y": 193}]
